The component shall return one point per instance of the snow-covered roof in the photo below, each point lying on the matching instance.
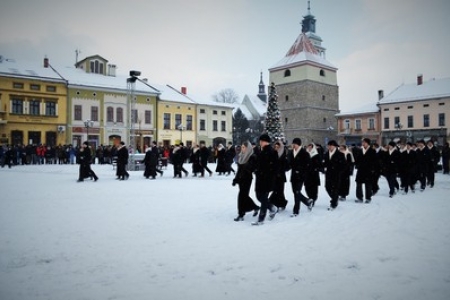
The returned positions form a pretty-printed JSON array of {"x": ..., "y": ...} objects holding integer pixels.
[
  {"x": 252, "y": 107},
  {"x": 302, "y": 51},
  {"x": 27, "y": 69},
  {"x": 79, "y": 77},
  {"x": 434, "y": 88},
  {"x": 245, "y": 111},
  {"x": 363, "y": 109},
  {"x": 170, "y": 94}
]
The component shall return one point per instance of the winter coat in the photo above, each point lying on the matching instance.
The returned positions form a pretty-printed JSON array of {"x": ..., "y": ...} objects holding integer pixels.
[
  {"x": 122, "y": 156},
  {"x": 299, "y": 165},
  {"x": 334, "y": 167},
  {"x": 266, "y": 166},
  {"x": 365, "y": 165},
  {"x": 244, "y": 174}
]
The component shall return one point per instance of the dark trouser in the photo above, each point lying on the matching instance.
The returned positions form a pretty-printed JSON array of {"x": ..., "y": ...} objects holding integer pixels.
[
  {"x": 344, "y": 188},
  {"x": 392, "y": 182},
  {"x": 423, "y": 180},
  {"x": 122, "y": 171},
  {"x": 205, "y": 167},
  {"x": 332, "y": 188},
  {"x": 368, "y": 190},
  {"x": 277, "y": 197},
  {"x": 430, "y": 176},
  {"x": 445, "y": 165},
  {"x": 298, "y": 196},
  {"x": 263, "y": 197},
  {"x": 374, "y": 184}
]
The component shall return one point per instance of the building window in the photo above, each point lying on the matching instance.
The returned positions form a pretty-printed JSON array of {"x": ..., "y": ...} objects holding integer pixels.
[
  {"x": 441, "y": 119},
  {"x": 322, "y": 73},
  {"x": 426, "y": 120},
  {"x": 410, "y": 107},
  {"x": 148, "y": 117},
  {"x": 347, "y": 123},
  {"x": 442, "y": 103},
  {"x": 50, "y": 88},
  {"x": 386, "y": 109},
  {"x": 324, "y": 120},
  {"x": 189, "y": 122},
  {"x": 386, "y": 123},
  {"x": 224, "y": 113},
  {"x": 119, "y": 114},
  {"x": 286, "y": 98},
  {"x": 426, "y": 105},
  {"x": 35, "y": 87},
  {"x": 202, "y": 125},
  {"x": 17, "y": 106},
  {"x": 287, "y": 73},
  {"x": 397, "y": 122},
  {"x": 214, "y": 112},
  {"x": 202, "y": 110},
  {"x": 94, "y": 113},
  {"x": 223, "y": 126},
  {"x": 50, "y": 108},
  {"x": 110, "y": 114},
  {"x": 96, "y": 66},
  {"x": 323, "y": 97},
  {"x": 77, "y": 113},
  {"x": 17, "y": 85},
  {"x": 178, "y": 120},
  {"x": 358, "y": 124},
  {"x": 410, "y": 121},
  {"x": 371, "y": 124},
  {"x": 134, "y": 116},
  {"x": 166, "y": 121},
  {"x": 397, "y": 108},
  {"x": 34, "y": 107},
  {"x": 215, "y": 125}
]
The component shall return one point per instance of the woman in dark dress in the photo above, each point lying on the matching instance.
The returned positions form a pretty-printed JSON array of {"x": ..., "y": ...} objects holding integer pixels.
[
  {"x": 277, "y": 197},
  {"x": 221, "y": 167},
  {"x": 244, "y": 178}
]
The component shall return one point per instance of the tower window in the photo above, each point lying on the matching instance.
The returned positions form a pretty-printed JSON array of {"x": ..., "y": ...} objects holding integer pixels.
[
  {"x": 286, "y": 97},
  {"x": 322, "y": 73},
  {"x": 323, "y": 97},
  {"x": 287, "y": 73}
]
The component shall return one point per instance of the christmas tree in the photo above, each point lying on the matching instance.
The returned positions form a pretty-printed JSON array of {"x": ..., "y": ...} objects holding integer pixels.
[{"x": 272, "y": 124}]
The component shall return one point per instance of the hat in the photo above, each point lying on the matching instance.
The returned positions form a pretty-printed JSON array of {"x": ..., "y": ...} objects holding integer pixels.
[
  {"x": 265, "y": 137},
  {"x": 367, "y": 140},
  {"x": 392, "y": 144},
  {"x": 86, "y": 143},
  {"x": 297, "y": 141},
  {"x": 333, "y": 143}
]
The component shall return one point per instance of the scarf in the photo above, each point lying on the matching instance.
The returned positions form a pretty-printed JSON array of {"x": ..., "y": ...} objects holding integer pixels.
[
  {"x": 313, "y": 151},
  {"x": 280, "y": 150},
  {"x": 244, "y": 157}
]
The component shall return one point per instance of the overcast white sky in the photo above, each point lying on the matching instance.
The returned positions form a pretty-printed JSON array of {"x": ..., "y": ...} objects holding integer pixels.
[{"x": 209, "y": 45}]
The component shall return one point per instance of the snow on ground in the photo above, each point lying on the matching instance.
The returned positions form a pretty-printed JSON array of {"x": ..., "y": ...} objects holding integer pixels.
[{"x": 176, "y": 239}]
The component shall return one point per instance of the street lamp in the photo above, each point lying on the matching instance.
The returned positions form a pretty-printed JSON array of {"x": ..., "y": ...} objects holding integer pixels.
[
  {"x": 180, "y": 127},
  {"x": 88, "y": 124}
]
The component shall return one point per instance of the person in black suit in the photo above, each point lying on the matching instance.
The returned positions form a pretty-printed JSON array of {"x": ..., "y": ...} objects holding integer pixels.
[
  {"x": 365, "y": 164},
  {"x": 335, "y": 165}
]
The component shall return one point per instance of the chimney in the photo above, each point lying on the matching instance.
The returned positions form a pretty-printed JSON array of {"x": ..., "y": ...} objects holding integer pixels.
[
  {"x": 112, "y": 70},
  {"x": 45, "y": 62},
  {"x": 380, "y": 94},
  {"x": 419, "y": 79},
  {"x": 184, "y": 90}
]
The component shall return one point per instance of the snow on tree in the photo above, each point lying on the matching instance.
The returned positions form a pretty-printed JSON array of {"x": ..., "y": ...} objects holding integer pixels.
[{"x": 272, "y": 123}]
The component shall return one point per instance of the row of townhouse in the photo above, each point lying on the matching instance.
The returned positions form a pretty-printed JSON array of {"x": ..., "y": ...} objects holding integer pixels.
[
  {"x": 409, "y": 113},
  {"x": 44, "y": 104}
]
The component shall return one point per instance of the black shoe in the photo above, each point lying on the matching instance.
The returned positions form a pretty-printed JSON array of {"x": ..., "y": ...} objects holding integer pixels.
[
  {"x": 238, "y": 218},
  {"x": 95, "y": 179},
  {"x": 368, "y": 201},
  {"x": 80, "y": 180},
  {"x": 359, "y": 201},
  {"x": 310, "y": 204},
  {"x": 255, "y": 212}
]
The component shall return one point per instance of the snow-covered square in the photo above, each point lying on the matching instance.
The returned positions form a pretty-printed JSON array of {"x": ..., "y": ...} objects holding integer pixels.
[{"x": 176, "y": 239}]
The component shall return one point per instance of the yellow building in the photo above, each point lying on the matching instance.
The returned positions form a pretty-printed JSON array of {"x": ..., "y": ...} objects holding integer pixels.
[{"x": 32, "y": 104}]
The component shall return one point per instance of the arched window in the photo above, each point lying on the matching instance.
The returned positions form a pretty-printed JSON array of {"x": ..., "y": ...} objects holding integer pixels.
[
  {"x": 110, "y": 114},
  {"x": 119, "y": 114},
  {"x": 287, "y": 98},
  {"x": 322, "y": 73},
  {"x": 287, "y": 73}
]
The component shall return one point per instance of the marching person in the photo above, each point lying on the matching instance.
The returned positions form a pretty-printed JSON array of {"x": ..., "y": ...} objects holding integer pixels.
[
  {"x": 195, "y": 160},
  {"x": 244, "y": 178},
  {"x": 365, "y": 164},
  {"x": 204, "y": 156},
  {"x": 312, "y": 181},
  {"x": 265, "y": 178},
  {"x": 84, "y": 159},
  {"x": 221, "y": 167},
  {"x": 435, "y": 157},
  {"x": 150, "y": 162},
  {"x": 335, "y": 165},
  {"x": 299, "y": 162},
  {"x": 230, "y": 154},
  {"x": 122, "y": 162},
  {"x": 423, "y": 163},
  {"x": 391, "y": 168},
  {"x": 278, "y": 198},
  {"x": 344, "y": 189}
]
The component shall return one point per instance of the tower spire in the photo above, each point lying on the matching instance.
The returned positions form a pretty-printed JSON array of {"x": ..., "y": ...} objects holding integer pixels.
[{"x": 309, "y": 7}]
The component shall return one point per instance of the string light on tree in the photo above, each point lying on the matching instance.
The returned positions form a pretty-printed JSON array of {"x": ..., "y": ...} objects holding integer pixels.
[{"x": 273, "y": 124}]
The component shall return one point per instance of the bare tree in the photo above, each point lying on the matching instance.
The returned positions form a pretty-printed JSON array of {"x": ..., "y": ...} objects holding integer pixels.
[{"x": 226, "y": 96}]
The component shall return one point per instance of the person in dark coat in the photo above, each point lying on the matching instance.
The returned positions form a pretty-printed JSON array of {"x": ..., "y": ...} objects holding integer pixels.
[
  {"x": 312, "y": 181},
  {"x": 278, "y": 198},
  {"x": 122, "y": 162},
  {"x": 423, "y": 163},
  {"x": 7, "y": 157},
  {"x": 230, "y": 154},
  {"x": 446, "y": 158},
  {"x": 344, "y": 188},
  {"x": 335, "y": 166},
  {"x": 265, "y": 172},
  {"x": 299, "y": 162},
  {"x": 408, "y": 169},
  {"x": 379, "y": 154},
  {"x": 221, "y": 167},
  {"x": 84, "y": 159},
  {"x": 365, "y": 165},
  {"x": 195, "y": 160},
  {"x": 435, "y": 157},
  {"x": 391, "y": 168},
  {"x": 150, "y": 162},
  {"x": 204, "y": 157},
  {"x": 244, "y": 178},
  {"x": 177, "y": 158}
]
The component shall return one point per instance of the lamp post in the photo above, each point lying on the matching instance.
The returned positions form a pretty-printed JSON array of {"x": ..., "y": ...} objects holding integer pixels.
[
  {"x": 88, "y": 124},
  {"x": 180, "y": 127}
]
